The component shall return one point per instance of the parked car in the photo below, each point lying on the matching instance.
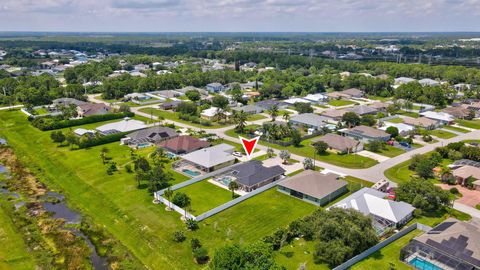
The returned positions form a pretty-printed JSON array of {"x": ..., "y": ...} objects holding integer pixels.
[
  {"x": 237, "y": 154},
  {"x": 405, "y": 144}
]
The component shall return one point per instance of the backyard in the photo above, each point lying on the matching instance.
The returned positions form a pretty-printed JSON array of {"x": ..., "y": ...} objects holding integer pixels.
[
  {"x": 340, "y": 102},
  {"x": 115, "y": 202},
  {"x": 174, "y": 117}
]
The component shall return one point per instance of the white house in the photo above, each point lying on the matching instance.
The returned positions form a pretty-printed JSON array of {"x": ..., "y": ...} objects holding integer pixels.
[
  {"x": 125, "y": 125},
  {"x": 316, "y": 98},
  {"x": 428, "y": 82},
  {"x": 442, "y": 117},
  {"x": 403, "y": 80},
  {"x": 403, "y": 129},
  {"x": 296, "y": 100},
  {"x": 210, "y": 113}
]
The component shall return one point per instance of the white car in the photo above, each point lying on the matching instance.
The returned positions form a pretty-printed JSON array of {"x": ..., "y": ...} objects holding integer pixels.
[{"x": 237, "y": 154}]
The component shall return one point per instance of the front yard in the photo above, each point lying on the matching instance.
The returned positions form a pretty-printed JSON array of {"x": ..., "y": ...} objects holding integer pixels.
[
  {"x": 442, "y": 134},
  {"x": 340, "y": 102},
  {"x": 469, "y": 123}
]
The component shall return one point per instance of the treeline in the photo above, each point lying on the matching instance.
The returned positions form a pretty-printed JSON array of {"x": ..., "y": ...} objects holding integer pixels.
[{"x": 55, "y": 122}]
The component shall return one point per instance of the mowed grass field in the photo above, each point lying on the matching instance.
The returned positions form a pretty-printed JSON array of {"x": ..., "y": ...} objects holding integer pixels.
[
  {"x": 205, "y": 196},
  {"x": 13, "y": 252},
  {"x": 174, "y": 117},
  {"x": 115, "y": 202}
]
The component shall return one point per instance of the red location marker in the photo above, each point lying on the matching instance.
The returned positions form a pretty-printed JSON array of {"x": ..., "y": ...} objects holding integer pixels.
[{"x": 249, "y": 145}]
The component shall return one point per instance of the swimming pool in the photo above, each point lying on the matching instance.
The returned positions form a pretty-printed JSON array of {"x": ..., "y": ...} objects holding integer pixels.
[
  {"x": 143, "y": 145},
  {"x": 190, "y": 172},
  {"x": 225, "y": 180},
  {"x": 423, "y": 265}
]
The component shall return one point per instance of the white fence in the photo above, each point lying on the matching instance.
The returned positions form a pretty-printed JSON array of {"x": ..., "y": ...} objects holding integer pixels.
[{"x": 176, "y": 208}]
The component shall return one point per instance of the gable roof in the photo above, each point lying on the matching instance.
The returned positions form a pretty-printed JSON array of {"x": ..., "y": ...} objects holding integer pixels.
[
  {"x": 314, "y": 184},
  {"x": 184, "y": 144},
  {"x": 353, "y": 92},
  {"x": 253, "y": 172},
  {"x": 421, "y": 121},
  {"x": 332, "y": 113},
  {"x": 459, "y": 112},
  {"x": 211, "y": 156},
  {"x": 370, "y": 201},
  {"x": 443, "y": 116},
  {"x": 124, "y": 125}
]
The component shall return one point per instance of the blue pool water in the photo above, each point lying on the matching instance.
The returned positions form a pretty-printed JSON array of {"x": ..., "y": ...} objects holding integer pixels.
[
  {"x": 225, "y": 181},
  {"x": 171, "y": 155},
  {"x": 190, "y": 172},
  {"x": 143, "y": 145},
  {"x": 423, "y": 265}
]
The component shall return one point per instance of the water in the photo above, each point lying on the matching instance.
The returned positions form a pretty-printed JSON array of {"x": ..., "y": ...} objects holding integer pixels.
[
  {"x": 190, "y": 172},
  {"x": 60, "y": 210},
  {"x": 423, "y": 265},
  {"x": 3, "y": 169}
]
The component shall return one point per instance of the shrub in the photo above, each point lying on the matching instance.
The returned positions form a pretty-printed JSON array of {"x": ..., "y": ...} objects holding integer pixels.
[
  {"x": 201, "y": 255},
  {"x": 192, "y": 225},
  {"x": 195, "y": 243},
  {"x": 179, "y": 236},
  {"x": 51, "y": 123},
  {"x": 94, "y": 141},
  {"x": 128, "y": 168},
  {"x": 454, "y": 191},
  {"x": 321, "y": 147}
]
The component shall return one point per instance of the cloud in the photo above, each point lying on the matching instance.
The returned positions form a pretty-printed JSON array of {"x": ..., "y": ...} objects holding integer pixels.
[{"x": 145, "y": 4}]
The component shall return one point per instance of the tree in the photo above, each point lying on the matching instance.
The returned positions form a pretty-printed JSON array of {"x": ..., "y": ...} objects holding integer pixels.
[
  {"x": 58, "y": 137},
  {"x": 286, "y": 116},
  {"x": 103, "y": 154},
  {"x": 142, "y": 164},
  {"x": 270, "y": 152},
  {"x": 321, "y": 147},
  {"x": 192, "y": 224},
  {"x": 303, "y": 107},
  {"x": 351, "y": 119},
  {"x": 284, "y": 155},
  {"x": 273, "y": 112},
  {"x": 193, "y": 95},
  {"x": 232, "y": 186},
  {"x": 201, "y": 255},
  {"x": 375, "y": 146},
  {"x": 393, "y": 131},
  {"x": 158, "y": 178},
  {"x": 168, "y": 193},
  {"x": 422, "y": 194},
  {"x": 240, "y": 119},
  {"x": 179, "y": 236},
  {"x": 71, "y": 139},
  {"x": 296, "y": 138},
  {"x": 368, "y": 120},
  {"x": 255, "y": 256},
  {"x": 220, "y": 102},
  {"x": 182, "y": 200},
  {"x": 195, "y": 243},
  {"x": 308, "y": 164},
  {"x": 124, "y": 108},
  {"x": 187, "y": 108}
]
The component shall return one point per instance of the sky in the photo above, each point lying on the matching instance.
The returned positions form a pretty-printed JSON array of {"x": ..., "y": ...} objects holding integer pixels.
[{"x": 240, "y": 15}]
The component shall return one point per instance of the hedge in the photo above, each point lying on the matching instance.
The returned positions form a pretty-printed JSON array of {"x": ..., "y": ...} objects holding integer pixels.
[
  {"x": 94, "y": 141},
  {"x": 52, "y": 123}
]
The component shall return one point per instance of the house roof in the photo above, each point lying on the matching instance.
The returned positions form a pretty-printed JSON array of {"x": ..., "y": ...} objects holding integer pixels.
[
  {"x": 458, "y": 112},
  {"x": 124, "y": 125},
  {"x": 368, "y": 132},
  {"x": 379, "y": 105},
  {"x": 248, "y": 108},
  {"x": 421, "y": 121},
  {"x": 401, "y": 80},
  {"x": 362, "y": 109},
  {"x": 336, "y": 94},
  {"x": 338, "y": 142},
  {"x": 152, "y": 134},
  {"x": 442, "y": 116},
  {"x": 332, "y": 113},
  {"x": 370, "y": 201},
  {"x": 353, "y": 92},
  {"x": 310, "y": 119},
  {"x": 253, "y": 172},
  {"x": 467, "y": 171},
  {"x": 184, "y": 144},
  {"x": 400, "y": 126},
  {"x": 68, "y": 101},
  {"x": 428, "y": 81},
  {"x": 459, "y": 239},
  {"x": 316, "y": 97},
  {"x": 296, "y": 100},
  {"x": 211, "y": 156},
  {"x": 212, "y": 111},
  {"x": 94, "y": 108},
  {"x": 314, "y": 184}
]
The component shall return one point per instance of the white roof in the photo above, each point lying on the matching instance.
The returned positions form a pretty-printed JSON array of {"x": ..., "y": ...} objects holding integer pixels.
[
  {"x": 438, "y": 116},
  {"x": 295, "y": 100},
  {"x": 401, "y": 80},
  {"x": 212, "y": 111},
  {"x": 400, "y": 126},
  {"x": 316, "y": 97},
  {"x": 82, "y": 131},
  {"x": 429, "y": 82},
  {"x": 211, "y": 156},
  {"x": 125, "y": 125},
  {"x": 370, "y": 201}
]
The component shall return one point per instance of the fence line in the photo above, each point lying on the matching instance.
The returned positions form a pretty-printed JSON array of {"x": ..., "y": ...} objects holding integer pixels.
[
  {"x": 176, "y": 208},
  {"x": 378, "y": 246}
]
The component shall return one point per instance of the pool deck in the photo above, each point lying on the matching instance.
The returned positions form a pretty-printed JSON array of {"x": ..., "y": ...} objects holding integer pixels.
[{"x": 238, "y": 192}]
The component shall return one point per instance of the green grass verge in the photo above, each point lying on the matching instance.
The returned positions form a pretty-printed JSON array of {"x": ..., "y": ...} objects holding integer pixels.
[
  {"x": 205, "y": 196},
  {"x": 390, "y": 151},
  {"x": 255, "y": 117},
  {"x": 395, "y": 120},
  {"x": 340, "y": 102},
  {"x": 442, "y": 134},
  {"x": 469, "y": 123},
  {"x": 13, "y": 252},
  {"x": 462, "y": 130},
  {"x": 174, "y": 117}
]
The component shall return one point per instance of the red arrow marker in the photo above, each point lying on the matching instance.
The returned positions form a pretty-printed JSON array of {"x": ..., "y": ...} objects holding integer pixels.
[{"x": 249, "y": 145}]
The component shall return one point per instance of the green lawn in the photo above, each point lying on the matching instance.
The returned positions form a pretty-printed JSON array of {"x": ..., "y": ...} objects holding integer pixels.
[
  {"x": 400, "y": 172},
  {"x": 469, "y": 123},
  {"x": 410, "y": 114},
  {"x": 390, "y": 151},
  {"x": 297, "y": 253},
  {"x": 13, "y": 252},
  {"x": 255, "y": 117},
  {"x": 388, "y": 255},
  {"x": 205, "y": 196},
  {"x": 462, "y": 130},
  {"x": 442, "y": 134},
  {"x": 174, "y": 117},
  {"x": 379, "y": 98},
  {"x": 340, "y": 102},
  {"x": 395, "y": 120},
  {"x": 127, "y": 213},
  {"x": 306, "y": 150},
  {"x": 41, "y": 111}
]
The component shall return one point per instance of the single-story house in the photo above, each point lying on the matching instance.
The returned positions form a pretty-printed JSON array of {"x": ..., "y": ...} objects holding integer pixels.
[
  {"x": 183, "y": 144},
  {"x": 380, "y": 106},
  {"x": 457, "y": 112},
  {"x": 249, "y": 109},
  {"x": 81, "y": 131},
  {"x": 428, "y": 82},
  {"x": 294, "y": 100},
  {"x": 268, "y": 104},
  {"x": 403, "y": 80},
  {"x": 65, "y": 102},
  {"x": 333, "y": 114},
  {"x": 422, "y": 122},
  {"x": 251, "y": 175},
  {"x": 215, "y": 87},
  {"x": 385, "y": 213},
  {"x": 309, "y": 120},
  {"x": 211, "y": 112},
  {"x": 403, "y": 129},
  {"x": 462, "y": 86},
  {"x": 211, "y": 158},
  {"x": 365, "y": 134},
  {"x": 452, "y": 244},
  {"x": 354, "y": 92},
  {"x": 464, "y": 172},
  {"x": 340, "y": 143},
  {"x": 125, "y": 125},
  {"x": 362, "y": 110},
  {"x": 190, "y": 88},
  {"x": 337, "y": 95},
  {"x": 251, "y": 85},
  {"x": 89, "y": 109},
  {"x": 170, "y": 105},
  {"x": 149, "y": 136},
  {"x": 168, "y": 93},
  {"x": 313, "y": 187},
  {"x": 441, "y": 117},
  {"x": 316, "y": 98},
  {"x": 474, "y": 106}
]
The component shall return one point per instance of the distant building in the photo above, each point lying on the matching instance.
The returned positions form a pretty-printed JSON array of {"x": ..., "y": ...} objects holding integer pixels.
[
  {"x": 365, "y": 134},
  {"x": 339, "y": 143},
  {"x": 211, "y": 158},
  {"x": 441, "y": 117},
  {"x": 428, "y": 82},
  {"x": 124, "y": 125},
  {"x": 89, "y": 109},
  {"x": 65, "y": 102},
  {"x": 249, "y": 109},
  {"x": 268, "y": 104},
  {"x": 316, "y": 98},
  {"x": 403, "y": 80},
  {"x": 354, "y": 92},
  {"x": 149, "y": 136},
  {"x": 215, "y": 87},
  {"x": 212, "y": 112},
  {"x": 309, "y": 120},
  {"x": 333, "y": 114},
  {"x": 457, "y": 112},
  {"x": 183, "y": 144},
  {"x": 362, "y": 110},
  {"x": 422, "y": 122}
]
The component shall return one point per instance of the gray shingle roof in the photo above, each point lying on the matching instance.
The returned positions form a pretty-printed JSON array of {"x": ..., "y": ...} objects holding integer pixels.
[
  {"x": 310, "y": 119},
  {"x": 314, "y": 184},
  {"x": 253, "y": 172}
]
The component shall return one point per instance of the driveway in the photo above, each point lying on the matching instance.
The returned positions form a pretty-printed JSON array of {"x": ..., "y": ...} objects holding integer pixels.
[
  {"x": 368, "y": 154},
  {"x": 469, "y": 197},
  {"x": 289, "y": 168}
]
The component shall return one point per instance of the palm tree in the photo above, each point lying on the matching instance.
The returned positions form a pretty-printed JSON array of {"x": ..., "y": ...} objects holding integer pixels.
[
  {"x": 445, "y": 174},
  {"x": 103, "y": 154},
  {"x": 273, "y": 112},
  {"x": 286, "y": 116},
  {"x": 232, "y": 186},
  {"x": 240, "y": 119},
  {"x": 168, "y": 194},
  {"x": 220, "y": 114}
]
